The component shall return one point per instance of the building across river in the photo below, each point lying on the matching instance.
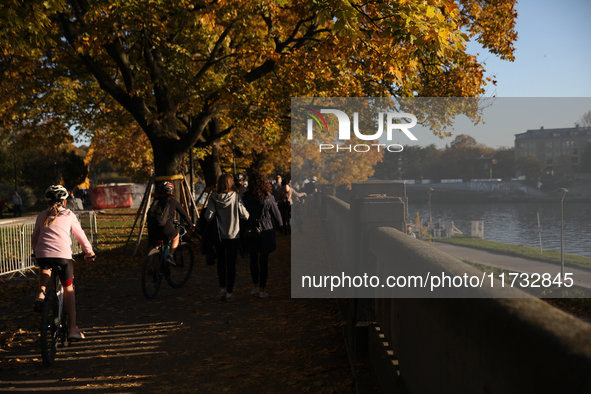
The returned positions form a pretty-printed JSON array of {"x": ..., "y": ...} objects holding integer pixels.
[{"x": 548, "y": 145}]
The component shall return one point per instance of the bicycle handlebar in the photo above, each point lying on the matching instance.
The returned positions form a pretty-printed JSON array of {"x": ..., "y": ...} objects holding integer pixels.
[
  {"x": 178, "y": 224},
  {"x": 82, "y": 256}
]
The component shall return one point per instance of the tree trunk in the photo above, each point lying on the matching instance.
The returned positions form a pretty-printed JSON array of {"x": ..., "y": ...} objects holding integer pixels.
[
  {"x": 211, "y": 166},
  {"x": 167, "y": 158}
]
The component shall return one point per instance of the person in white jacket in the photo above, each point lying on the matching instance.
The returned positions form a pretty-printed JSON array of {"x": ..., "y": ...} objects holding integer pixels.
[{"x": 228, "y": 206}]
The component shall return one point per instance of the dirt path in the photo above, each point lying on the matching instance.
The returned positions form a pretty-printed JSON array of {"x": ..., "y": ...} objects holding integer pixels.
[{"x": 185, "y": 340}]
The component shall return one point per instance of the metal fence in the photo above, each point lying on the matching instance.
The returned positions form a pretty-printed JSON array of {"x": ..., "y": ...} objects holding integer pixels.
[{"x": 15, "y": 242}]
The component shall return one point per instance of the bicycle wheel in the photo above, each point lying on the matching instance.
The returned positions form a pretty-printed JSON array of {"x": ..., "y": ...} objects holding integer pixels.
[
  {"x": 151, "y": 276},
  {"x": 179, "y": 273},
  {"x": 49, "y": 328}
]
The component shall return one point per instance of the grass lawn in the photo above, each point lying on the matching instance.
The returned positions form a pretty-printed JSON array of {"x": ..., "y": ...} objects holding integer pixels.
[
  {"x": 550, "y": 256},
  {"x": 114, "y": 226}
]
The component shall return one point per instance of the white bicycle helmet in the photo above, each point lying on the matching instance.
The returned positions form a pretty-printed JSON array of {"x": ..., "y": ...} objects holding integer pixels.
[{"x": 56, "y": 194}]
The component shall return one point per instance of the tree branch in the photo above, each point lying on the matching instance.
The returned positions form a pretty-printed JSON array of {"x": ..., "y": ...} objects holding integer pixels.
[
  {"x": 162, "y": 92},
  {"x": 215, "y": 51},
  {"x": 115, "y": 50},
  {"x": 135, "y": 105}
]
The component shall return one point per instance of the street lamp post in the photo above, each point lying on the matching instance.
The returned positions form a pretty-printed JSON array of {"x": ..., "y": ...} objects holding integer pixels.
[
  {"x": 430, "y": 190},
  {"x": 13, "y": 136},
  {"x": 563, "y": 191}
]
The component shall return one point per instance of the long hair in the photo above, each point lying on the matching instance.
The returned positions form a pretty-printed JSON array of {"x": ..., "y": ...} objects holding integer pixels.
[
  {"x": 52, "y": 211},
  {"x": 226, "y": 184},
  {"x": 259, "y": 186}
]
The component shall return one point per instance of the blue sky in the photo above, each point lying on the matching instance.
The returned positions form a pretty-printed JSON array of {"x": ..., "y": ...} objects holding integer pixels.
[
  {"x": 553, "y": 52},
  {"x": 552, "y": 60}
]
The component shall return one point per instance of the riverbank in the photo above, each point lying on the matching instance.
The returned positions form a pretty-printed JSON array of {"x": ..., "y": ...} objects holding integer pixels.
[
  {"x": 573, "y": 300},
  {"x": 503, "y": 191}
]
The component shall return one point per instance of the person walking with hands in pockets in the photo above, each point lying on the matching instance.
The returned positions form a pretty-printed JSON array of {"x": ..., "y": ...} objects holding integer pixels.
[
  {"x": 52, "y": 244},
  {"x": 261, "y": 206},
  {"x": 226, "y": 204}
]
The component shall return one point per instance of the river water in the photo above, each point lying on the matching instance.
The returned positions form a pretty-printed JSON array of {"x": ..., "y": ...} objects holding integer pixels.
[{"x": 517, "y": 223}]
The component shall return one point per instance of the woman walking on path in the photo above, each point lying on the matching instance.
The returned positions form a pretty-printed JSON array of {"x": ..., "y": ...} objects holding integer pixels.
[
  {"x": 285, "y": 202},
  {"x": 228, "y": 206},
  {"x": 260, "y": 203},
  {"x": 51, "y": 243}
]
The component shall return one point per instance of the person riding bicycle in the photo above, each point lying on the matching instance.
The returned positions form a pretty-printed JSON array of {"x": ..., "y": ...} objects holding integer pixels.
[
  {"x": 51, "y": 243},
  {"x": 161, "y": 218}
]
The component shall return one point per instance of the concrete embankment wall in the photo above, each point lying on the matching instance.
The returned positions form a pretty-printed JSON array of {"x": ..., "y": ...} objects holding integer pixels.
[
  {"x": 484, "y": 345},
  {"x": 511, "y": 345}
]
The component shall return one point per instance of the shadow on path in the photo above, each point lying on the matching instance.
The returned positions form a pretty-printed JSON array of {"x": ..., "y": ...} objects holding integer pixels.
[{"x": 185, "y": 340}]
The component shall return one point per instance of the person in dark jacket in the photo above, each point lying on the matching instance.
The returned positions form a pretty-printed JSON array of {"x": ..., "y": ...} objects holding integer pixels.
[
  {"x": 158, "y": 232},
  {"x": 261, "y": 206},
  {"x": 276, "y": 186},
  {"x": 239, "y": 183}
]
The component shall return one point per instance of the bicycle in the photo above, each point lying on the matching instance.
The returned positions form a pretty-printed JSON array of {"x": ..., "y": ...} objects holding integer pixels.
[
  {"x": 157, "y": 267},
  {"x": 54, "y": 319}
]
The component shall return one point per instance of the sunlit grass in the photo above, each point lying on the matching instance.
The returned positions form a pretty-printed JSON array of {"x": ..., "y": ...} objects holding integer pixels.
[{"x": 114, "y": 227}]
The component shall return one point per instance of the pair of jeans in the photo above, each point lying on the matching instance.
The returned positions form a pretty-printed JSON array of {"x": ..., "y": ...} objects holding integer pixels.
[
  {"x": 259, "y": 268},
  {"x": 227, "y": 252}
]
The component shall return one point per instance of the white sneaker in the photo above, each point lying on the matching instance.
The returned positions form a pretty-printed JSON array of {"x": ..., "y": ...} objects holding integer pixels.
[
  {"x": 262, "y": 294},
  {"x": 223, "y": 294},
  {"x": 255, "y": 290},
  {"x": 229, "y": 297},
  {"x": 170, "y": 260}
]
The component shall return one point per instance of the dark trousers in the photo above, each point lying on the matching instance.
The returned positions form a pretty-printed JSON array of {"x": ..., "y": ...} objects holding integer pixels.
[
  {"x": 259, "y": 268},
  {"x": 227, "y": 254},
  {"x": 285, "y": 210},
  {"x": 17, "y": 211}
]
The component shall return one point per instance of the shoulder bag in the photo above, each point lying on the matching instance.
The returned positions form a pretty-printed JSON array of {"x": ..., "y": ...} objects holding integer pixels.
[{"x": 254, "y": 230}]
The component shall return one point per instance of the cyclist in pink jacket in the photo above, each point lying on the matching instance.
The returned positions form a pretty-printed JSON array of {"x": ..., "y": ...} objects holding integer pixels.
[{"x": 52, "y": 245}]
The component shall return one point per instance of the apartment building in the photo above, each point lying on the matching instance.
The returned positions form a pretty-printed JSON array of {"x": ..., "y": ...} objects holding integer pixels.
[{"x": 547, "y": 145}]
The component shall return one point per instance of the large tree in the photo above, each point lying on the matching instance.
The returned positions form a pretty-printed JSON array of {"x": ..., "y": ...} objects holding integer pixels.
[
  {"x": 190, "y": 72},
  {"x": 585, "y": 120},
  {"x": 457, "y": 160},
  {"x": 504, "y": 163},
  {"x": 530, "y": 167}
]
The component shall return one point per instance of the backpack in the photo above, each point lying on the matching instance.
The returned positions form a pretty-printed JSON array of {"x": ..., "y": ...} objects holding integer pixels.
[{"x": 158, "y": 215}]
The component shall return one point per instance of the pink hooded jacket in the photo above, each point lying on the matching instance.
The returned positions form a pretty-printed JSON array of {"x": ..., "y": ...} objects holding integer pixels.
[{"x": 54, "y": 241}]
